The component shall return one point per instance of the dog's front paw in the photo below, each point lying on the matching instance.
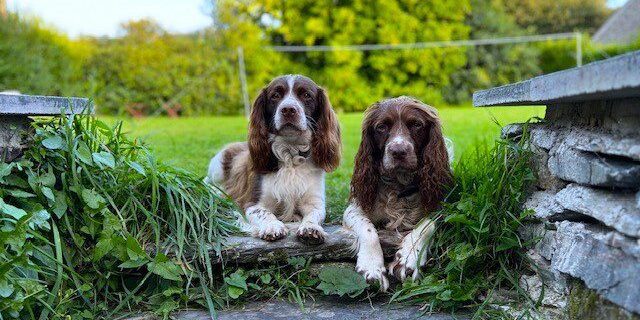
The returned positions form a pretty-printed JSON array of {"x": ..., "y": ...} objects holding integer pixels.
[
  {"x": 272, "y": 230},
  {"x": 373, "y": 273},
  {"x": 311, "y": 234},
  {"x": 407, "y": 261}
]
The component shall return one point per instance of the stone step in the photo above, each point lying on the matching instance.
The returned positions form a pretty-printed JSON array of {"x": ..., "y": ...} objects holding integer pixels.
[{"x": 322, "y": 308}]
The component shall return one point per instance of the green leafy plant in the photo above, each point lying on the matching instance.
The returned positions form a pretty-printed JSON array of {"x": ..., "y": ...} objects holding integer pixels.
[
  {"x": 476, "y": 248},
  {"x": 341, "y": 281},
  {"x": 92, "y": 225}
]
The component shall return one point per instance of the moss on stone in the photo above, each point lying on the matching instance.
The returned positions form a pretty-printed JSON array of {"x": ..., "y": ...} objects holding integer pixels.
[{"x": 585, "y": 303}]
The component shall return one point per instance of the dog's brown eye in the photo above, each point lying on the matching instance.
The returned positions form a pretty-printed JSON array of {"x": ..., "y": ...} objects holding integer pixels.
[
  {"x": 381, "y": 128},
  {"x": 416, "y": 124},
  {"x": 275, "y": 96},
  {"x": 306, "y": 96}
]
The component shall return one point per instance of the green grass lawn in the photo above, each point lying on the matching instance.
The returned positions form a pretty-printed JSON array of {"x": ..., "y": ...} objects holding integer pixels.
[{"x": 191, "y": 142}]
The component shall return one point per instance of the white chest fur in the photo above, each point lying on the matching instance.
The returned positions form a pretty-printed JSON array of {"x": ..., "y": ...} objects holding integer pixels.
[{"x": 290, "y": 183}]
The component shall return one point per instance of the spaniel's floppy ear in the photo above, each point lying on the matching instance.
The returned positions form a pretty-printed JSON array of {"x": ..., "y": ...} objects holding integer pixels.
[
  {"x": 326, "y": 144},
  {"x": 262, "y": 159},
  {"x": 364, "y": 183},
  {"x": 435, "y": 175}
]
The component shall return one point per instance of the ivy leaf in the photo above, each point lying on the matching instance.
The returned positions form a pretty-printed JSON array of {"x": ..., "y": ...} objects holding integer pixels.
[
  {"x": 83, "y": 153},
  {"x": 165, "y": 268},
  {"x": 14, "y": 212},
  {"x": 237, "y": 279},
  {"x": 234, "y": 292},
  {"x": 104, "y": 158},
  {"x": 341, "y": 281},
  {"x": 92, "y": 199},
  {"x": 265, "y": 278},
  {"x": 53, "y": 143}
]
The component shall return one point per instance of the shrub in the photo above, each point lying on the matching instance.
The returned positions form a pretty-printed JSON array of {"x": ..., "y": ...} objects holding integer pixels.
[
  {"x": 35, "y": 59},
  {"x": 92, "y": 225}
]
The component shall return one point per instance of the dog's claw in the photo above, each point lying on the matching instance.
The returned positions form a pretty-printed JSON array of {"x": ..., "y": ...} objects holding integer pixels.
[
  {"x": 375, "y": 277},
  {"x": 273, "y": 231},
  {"x": 311, "y": 234}
]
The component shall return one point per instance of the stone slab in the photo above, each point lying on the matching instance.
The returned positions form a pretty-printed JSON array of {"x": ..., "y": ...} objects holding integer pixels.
[
  {"x": 593, "y": 169},
  {"x": 613, "y": 78},
  {"x": 28, "y": 105},
  {"x": 617, "y": 210},
  {"x": 322, "y": 308}
]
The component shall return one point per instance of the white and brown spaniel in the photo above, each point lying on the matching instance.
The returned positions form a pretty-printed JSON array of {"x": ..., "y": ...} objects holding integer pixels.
[
  {"x": 278, "y": 174},
  {"x": 401, "y": 172}
]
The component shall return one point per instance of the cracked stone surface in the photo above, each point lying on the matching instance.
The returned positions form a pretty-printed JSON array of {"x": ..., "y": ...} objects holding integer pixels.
[
  {"x": 618, "y": 210},
  {"x": 591, "y": 169},
  {"x": 606, "y": 261}
]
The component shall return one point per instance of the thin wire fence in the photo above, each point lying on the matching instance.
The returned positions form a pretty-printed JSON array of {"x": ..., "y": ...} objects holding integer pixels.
[{"x": 409, "y": 46}]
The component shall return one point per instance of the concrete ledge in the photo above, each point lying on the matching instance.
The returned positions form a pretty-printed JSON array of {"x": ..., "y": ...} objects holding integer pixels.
[
  {"x": 27, "y": 105},
  {"x": 614, "y": 78}
]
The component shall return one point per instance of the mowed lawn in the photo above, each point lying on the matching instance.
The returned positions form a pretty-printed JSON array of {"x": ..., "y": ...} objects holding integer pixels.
[{"x": 190, "y": 143}]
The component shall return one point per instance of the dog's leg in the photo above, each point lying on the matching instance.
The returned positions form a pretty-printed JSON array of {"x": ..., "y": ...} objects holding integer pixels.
[
  {"x": 265, "y": 224},
  {"x": 412, "y": 253},
  {"x": 312, "y": 208},
  {"x": 370, "y": 261}
]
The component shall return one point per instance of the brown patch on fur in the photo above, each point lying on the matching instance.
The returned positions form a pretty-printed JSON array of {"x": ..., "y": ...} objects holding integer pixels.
[
  {"x": 262, "y": 159},
  {"x": 364, "y": 183},
  {"x": 241, "y": 183},
  {"x": 326, "y": 145}
]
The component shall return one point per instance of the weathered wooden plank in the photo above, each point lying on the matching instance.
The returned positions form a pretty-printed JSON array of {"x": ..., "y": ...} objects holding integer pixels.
[{"x": 339, "y": 245}]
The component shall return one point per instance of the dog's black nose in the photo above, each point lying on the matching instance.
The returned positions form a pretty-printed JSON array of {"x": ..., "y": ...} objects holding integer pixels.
[
  {"x": 398, "y": 151},
  {"x": 288, "y": 111}
]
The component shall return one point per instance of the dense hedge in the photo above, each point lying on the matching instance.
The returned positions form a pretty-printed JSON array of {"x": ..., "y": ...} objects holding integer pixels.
[{"x": 149, "y": 71}]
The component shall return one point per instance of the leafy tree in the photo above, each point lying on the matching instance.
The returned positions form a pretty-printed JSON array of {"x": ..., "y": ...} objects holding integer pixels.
[
  {"x": 356, "y": 78},
  {"x": 38, "y": 60},
  {"x": 489, "y": 66},
  {"x": 550, "y": 16}
]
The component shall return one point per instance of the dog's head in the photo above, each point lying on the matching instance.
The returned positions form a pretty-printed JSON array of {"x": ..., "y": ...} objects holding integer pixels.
[
  {"x": 401, "y": 136},
  {"x": 288, "y": 106}
]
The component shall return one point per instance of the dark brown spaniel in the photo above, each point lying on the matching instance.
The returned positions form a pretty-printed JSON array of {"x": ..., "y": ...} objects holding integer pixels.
[{"x": 401, "y": 172}]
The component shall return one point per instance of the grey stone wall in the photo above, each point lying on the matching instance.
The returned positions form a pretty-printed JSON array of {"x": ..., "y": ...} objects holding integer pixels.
[{"x": 586, "y": 207}]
